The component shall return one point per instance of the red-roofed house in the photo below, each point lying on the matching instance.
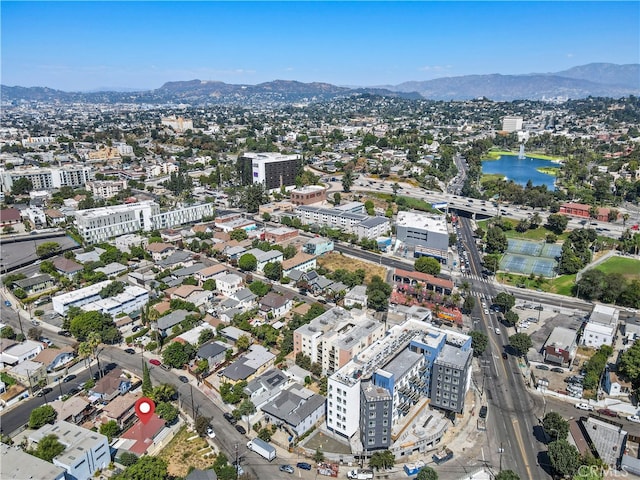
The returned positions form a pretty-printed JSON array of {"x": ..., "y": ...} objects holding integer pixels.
[
  {"x": 9, "y": 216},
  {"x": 583, "y": 211},
  {"x": 430, "y": 282},
  {"x": 143, "y": 435},
  {"x": 67, "y": 266}
]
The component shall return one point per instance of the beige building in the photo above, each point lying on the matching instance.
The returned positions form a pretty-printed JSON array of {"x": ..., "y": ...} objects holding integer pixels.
[{"x": 336, "y": 336}]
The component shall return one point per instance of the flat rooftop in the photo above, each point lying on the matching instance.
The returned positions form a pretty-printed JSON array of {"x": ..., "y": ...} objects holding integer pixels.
[{"x": 430, "y": 222}]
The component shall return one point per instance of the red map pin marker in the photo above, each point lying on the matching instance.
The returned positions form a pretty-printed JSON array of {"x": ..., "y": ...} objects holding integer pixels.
[{"x": 144, "y": 409}]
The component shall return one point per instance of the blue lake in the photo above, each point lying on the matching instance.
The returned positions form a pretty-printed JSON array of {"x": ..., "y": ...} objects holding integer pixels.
[{"x": 521, "y": 171}]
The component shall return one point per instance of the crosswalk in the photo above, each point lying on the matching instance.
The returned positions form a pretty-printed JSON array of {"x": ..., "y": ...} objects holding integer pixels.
[
  {"x": 479, "y": 294},
  {"x": 477, "y": 278}
]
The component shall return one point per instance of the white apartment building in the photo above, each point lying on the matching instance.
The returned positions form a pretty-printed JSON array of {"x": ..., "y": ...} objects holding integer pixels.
[
  {"x": 47, "y": 178},
  {"x": 228, "y": 284},
  {"x": 97, "y": 225},
  {"x": 426, "y": 231},
  {"x": 336, "y": 336},
  {"x": 32, "y": 142},
  {"x": 179, "y": 124},
  {"x": 125, "y": 242},
  {"x": 159, "y": 169},
  {"x": 511, "y": 124},
  {"x": 124, "y": 149},
  {"x": 106, "y": 188},
  {"x": 131, "y": 300},
  {"x": 85, "y": 452},
  {"x": 601, "y": 327},
  {"x": 349, "y": 220},
  {"x": 77, "y": 298}
]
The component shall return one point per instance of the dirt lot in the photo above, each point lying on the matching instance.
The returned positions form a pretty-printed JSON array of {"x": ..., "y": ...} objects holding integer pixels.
[
  {"x": 181, "y": 453},
  {"x": 334, "y": 261}
]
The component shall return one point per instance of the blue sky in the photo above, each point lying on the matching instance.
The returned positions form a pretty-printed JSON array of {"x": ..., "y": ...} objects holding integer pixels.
[{"x": 88, "y": 45}]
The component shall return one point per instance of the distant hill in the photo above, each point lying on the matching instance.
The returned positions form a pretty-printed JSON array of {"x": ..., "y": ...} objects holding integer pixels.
[{"x": 596, "y": 79}]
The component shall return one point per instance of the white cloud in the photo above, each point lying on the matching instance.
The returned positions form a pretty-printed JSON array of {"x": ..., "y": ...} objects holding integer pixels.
[
  {"x": 435, "y": 68},
  {"x": 569, "y": 55}
]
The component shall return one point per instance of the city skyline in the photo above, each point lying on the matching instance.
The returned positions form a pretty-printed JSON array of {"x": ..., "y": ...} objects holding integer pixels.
[{"x": 84, "y": 46}]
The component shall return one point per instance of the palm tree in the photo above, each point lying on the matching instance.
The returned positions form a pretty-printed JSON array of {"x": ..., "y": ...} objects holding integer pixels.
[
  {"x": 85, "y": 351},
  {"x": 94, "y": 340}
]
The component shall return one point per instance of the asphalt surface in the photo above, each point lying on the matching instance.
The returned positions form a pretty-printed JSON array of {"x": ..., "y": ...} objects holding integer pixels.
[{"x": 513, "y": 420}]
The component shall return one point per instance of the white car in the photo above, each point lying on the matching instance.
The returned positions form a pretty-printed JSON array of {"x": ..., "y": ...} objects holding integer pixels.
[
  {"x": 497, "y": 331},
  {"x": 486, "y": 312},
  {"x": 211, "y": 433},
  {"x": 634, "y": 418},
  {"x": 584, "y": 406}
]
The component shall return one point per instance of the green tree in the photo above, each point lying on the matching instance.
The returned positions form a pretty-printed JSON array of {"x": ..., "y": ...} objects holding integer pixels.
[
  {"x": 629, "y": 363},
  {"x": 259, "y": 288},
  {"x": 167, "y": 411},
  {"x": 378, "y": 301},
  {"x": 347, "y": 181},
  {"x": 565, "y": 458},
  {"x": 41, "y": 416},
  {"x": 246, "y": 408},
  {"x": 521, "y": 342},
  {"x": 491, "y": 262},
  {"x": 238, "y": 235},
  {"x": 202, "y": 424},
  {"x": 507, "y": 475},
  {"x": 289, "y": 251},
  {"x": 146, "y": 468},
  {"x": 479, "y": 342},
  {"x": 369, "y": 207},
  {"x": 147, "y": 386},
  {"x": 48, "y": 448},
  {"x": 505, "y": 301},
  {"x": 427, "y": 473},
  {"x": 243, "y": 342},
  {"x": 557, "y": 223},
  {"x": 511, "y": 318},
  {"x": 110, "y": 429},
  {"x": 164, "y": 392},
  {"x": 496, "y": 241},
  {"x": 555, "y": 426},
  {"x": 47, "y": 249},
  {"x": 469, "y": 304},
  {"x": 247, "y": 262},
  {"x": 273, "y": 271},
  {"x": 209, "y": 285},
  {"x": 127, "y": 459},
  {"x": 21, "y": 186},
  {"x": 86, "y": 322},
  {"x": 205, "y": 335},
  {"x": 337, "y": 198},
  {"x": 382, "y": 460},
  {"x": 318, "y": 455},
  {"x": 427, "y": 265},
  {"x": 177, "y": 354},
  {"x": 7, "y": 332}
]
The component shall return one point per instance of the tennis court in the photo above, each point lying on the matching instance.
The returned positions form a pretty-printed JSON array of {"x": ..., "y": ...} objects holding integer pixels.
[
  {"x": 551, "y": 250},
  {"x": 527, "y": 264},
  {"x": 524, "y": 247}
]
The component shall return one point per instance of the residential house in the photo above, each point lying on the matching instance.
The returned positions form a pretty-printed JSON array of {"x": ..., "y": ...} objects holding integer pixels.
[
  {"x": 281, "y": 234},
  {"x": 245, "y": 298},
  {"x": 141, "y": 436},
  {"x": 296, "y": 407},
  {"x": 190, "y": 271},
  {"x": 233, "y": 334},
  {"x": 85, "y": 451},
  {"x": 121, "y": 410},
  {"x": 608, "y": 439},
  {"x": 160, "y": 251},
  {"x": 274, "y": 305},
  {"x": 66, "y": 266},
  {"x": 166, "y": 323},
  {"x": 28, "y": 372},
  {"x": 252, "y": 363},
  {"x": 262, "y": 257},
  {"x": 614, "y": 384},
  {"x": 75, "y": 409},
  {"x": 356, "y": 296},
  {"x": 35, "y": 284},
  {"x": 55, "y": 358},
  {"x": 234, "y": 252},
  {"x": 110, "y": 386},
  {"x": 601, "y": 327},
  {"x": 266, "y": 386},
  {"x": 211, "y": 272},
  {"x": 213, "y": 352},
  {"x": 192, "y": 294},
  {"x": 113, "y": 269},
  {"x": 302, "y": 261},
  {"x": 54, "y": 217},
  {"x": 20, "y": 352},
  {"x": 170, "y": 235},
  {"x": 10, "y": 217},
  {"x": 561, "y": 346},
  {"x": 177, "y": 259},
  {"x": 318, "y": 246},
  {"x": 228, "y": 284},
  {"x": 17, "y": 464}
]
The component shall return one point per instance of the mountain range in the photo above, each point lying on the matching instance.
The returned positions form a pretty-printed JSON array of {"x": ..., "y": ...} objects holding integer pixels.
[{"x": 595, "y": 79}]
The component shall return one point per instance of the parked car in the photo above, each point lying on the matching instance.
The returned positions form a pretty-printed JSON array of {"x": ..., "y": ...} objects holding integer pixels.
[
  {"x": 44, "y": 391},
  {"x": 557, "y": 370},
  {"x": 504, "y": 355},
  {"x": 64, "y": 333},
  {"x": 497, "y": 331},
  {"x": 587, "y": 407},
  {"x": 130, "y": 351},
  {"x": 286, "y": 468},
  {"x": 303, "y": 465},
  {"x": 241, "y": 429},
  {"x": 73, "y": 391},
  {"x": 634, "y": 418},
  {"x": 230, "y": 418},
  {"x": 211, "y": 433},
  {"x": 542, "y": 367},
  {"x": 538, "y": 307},
  {"x": 607, "y": 412},
  {"x": 68, "y": 378},
  {"x": 155, "y": 362},
  {"x": 7, "y": 303},
  {"x": 183, "y": 379}
]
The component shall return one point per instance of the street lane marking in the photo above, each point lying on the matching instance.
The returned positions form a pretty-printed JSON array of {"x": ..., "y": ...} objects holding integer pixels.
[{"x": 516, "y": 430}]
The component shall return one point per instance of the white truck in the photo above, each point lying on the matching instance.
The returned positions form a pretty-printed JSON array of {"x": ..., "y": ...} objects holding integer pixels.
[
  {"x": 360, "y": 474},
  {"x": 262, "y": 448}
]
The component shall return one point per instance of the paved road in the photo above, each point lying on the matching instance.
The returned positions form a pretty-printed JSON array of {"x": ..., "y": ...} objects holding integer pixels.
[{"x": 512, "y": 419}]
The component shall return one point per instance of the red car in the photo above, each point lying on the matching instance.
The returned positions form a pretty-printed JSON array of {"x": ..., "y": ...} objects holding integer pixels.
[
  {"x": 153, "y": 361},
  {"x": 607, "y": 412}
]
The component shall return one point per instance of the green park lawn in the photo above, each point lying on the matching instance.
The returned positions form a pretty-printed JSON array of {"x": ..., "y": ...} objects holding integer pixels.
[
  {"x": 627, "y": 267},
  {"x": 488, "y": 177}
]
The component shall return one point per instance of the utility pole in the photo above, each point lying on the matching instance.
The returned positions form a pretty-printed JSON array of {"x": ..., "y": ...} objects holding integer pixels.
[
  {"x": 193, "y": 408},
  {"x": 501, "y": 452},
  {"x": 237, "y": 461}
]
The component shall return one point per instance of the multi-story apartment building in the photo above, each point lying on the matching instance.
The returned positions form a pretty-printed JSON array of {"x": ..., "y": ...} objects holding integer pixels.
[
  {"x": 427, "y": 233},
  {"x": 179, "y": 124},
  {"x": 47, "y": 178},
  {"x": 274, "y": 170},
  {"x": 31, "y": 142},
  {"x": 511, "y": 124},
  {"x": 159, "y": 169},
  {"x": 100, "y": 224},
  {"x": 333, "y": 338},
  {"x": 85, "y": 451},
  {"x": 88, "y": 298},
  {"x": 348, "y": 218},
  {"x": 308, "y": 194},
  {"x": 406, "y": 364},
  {"x": 106, "y": 188}
]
